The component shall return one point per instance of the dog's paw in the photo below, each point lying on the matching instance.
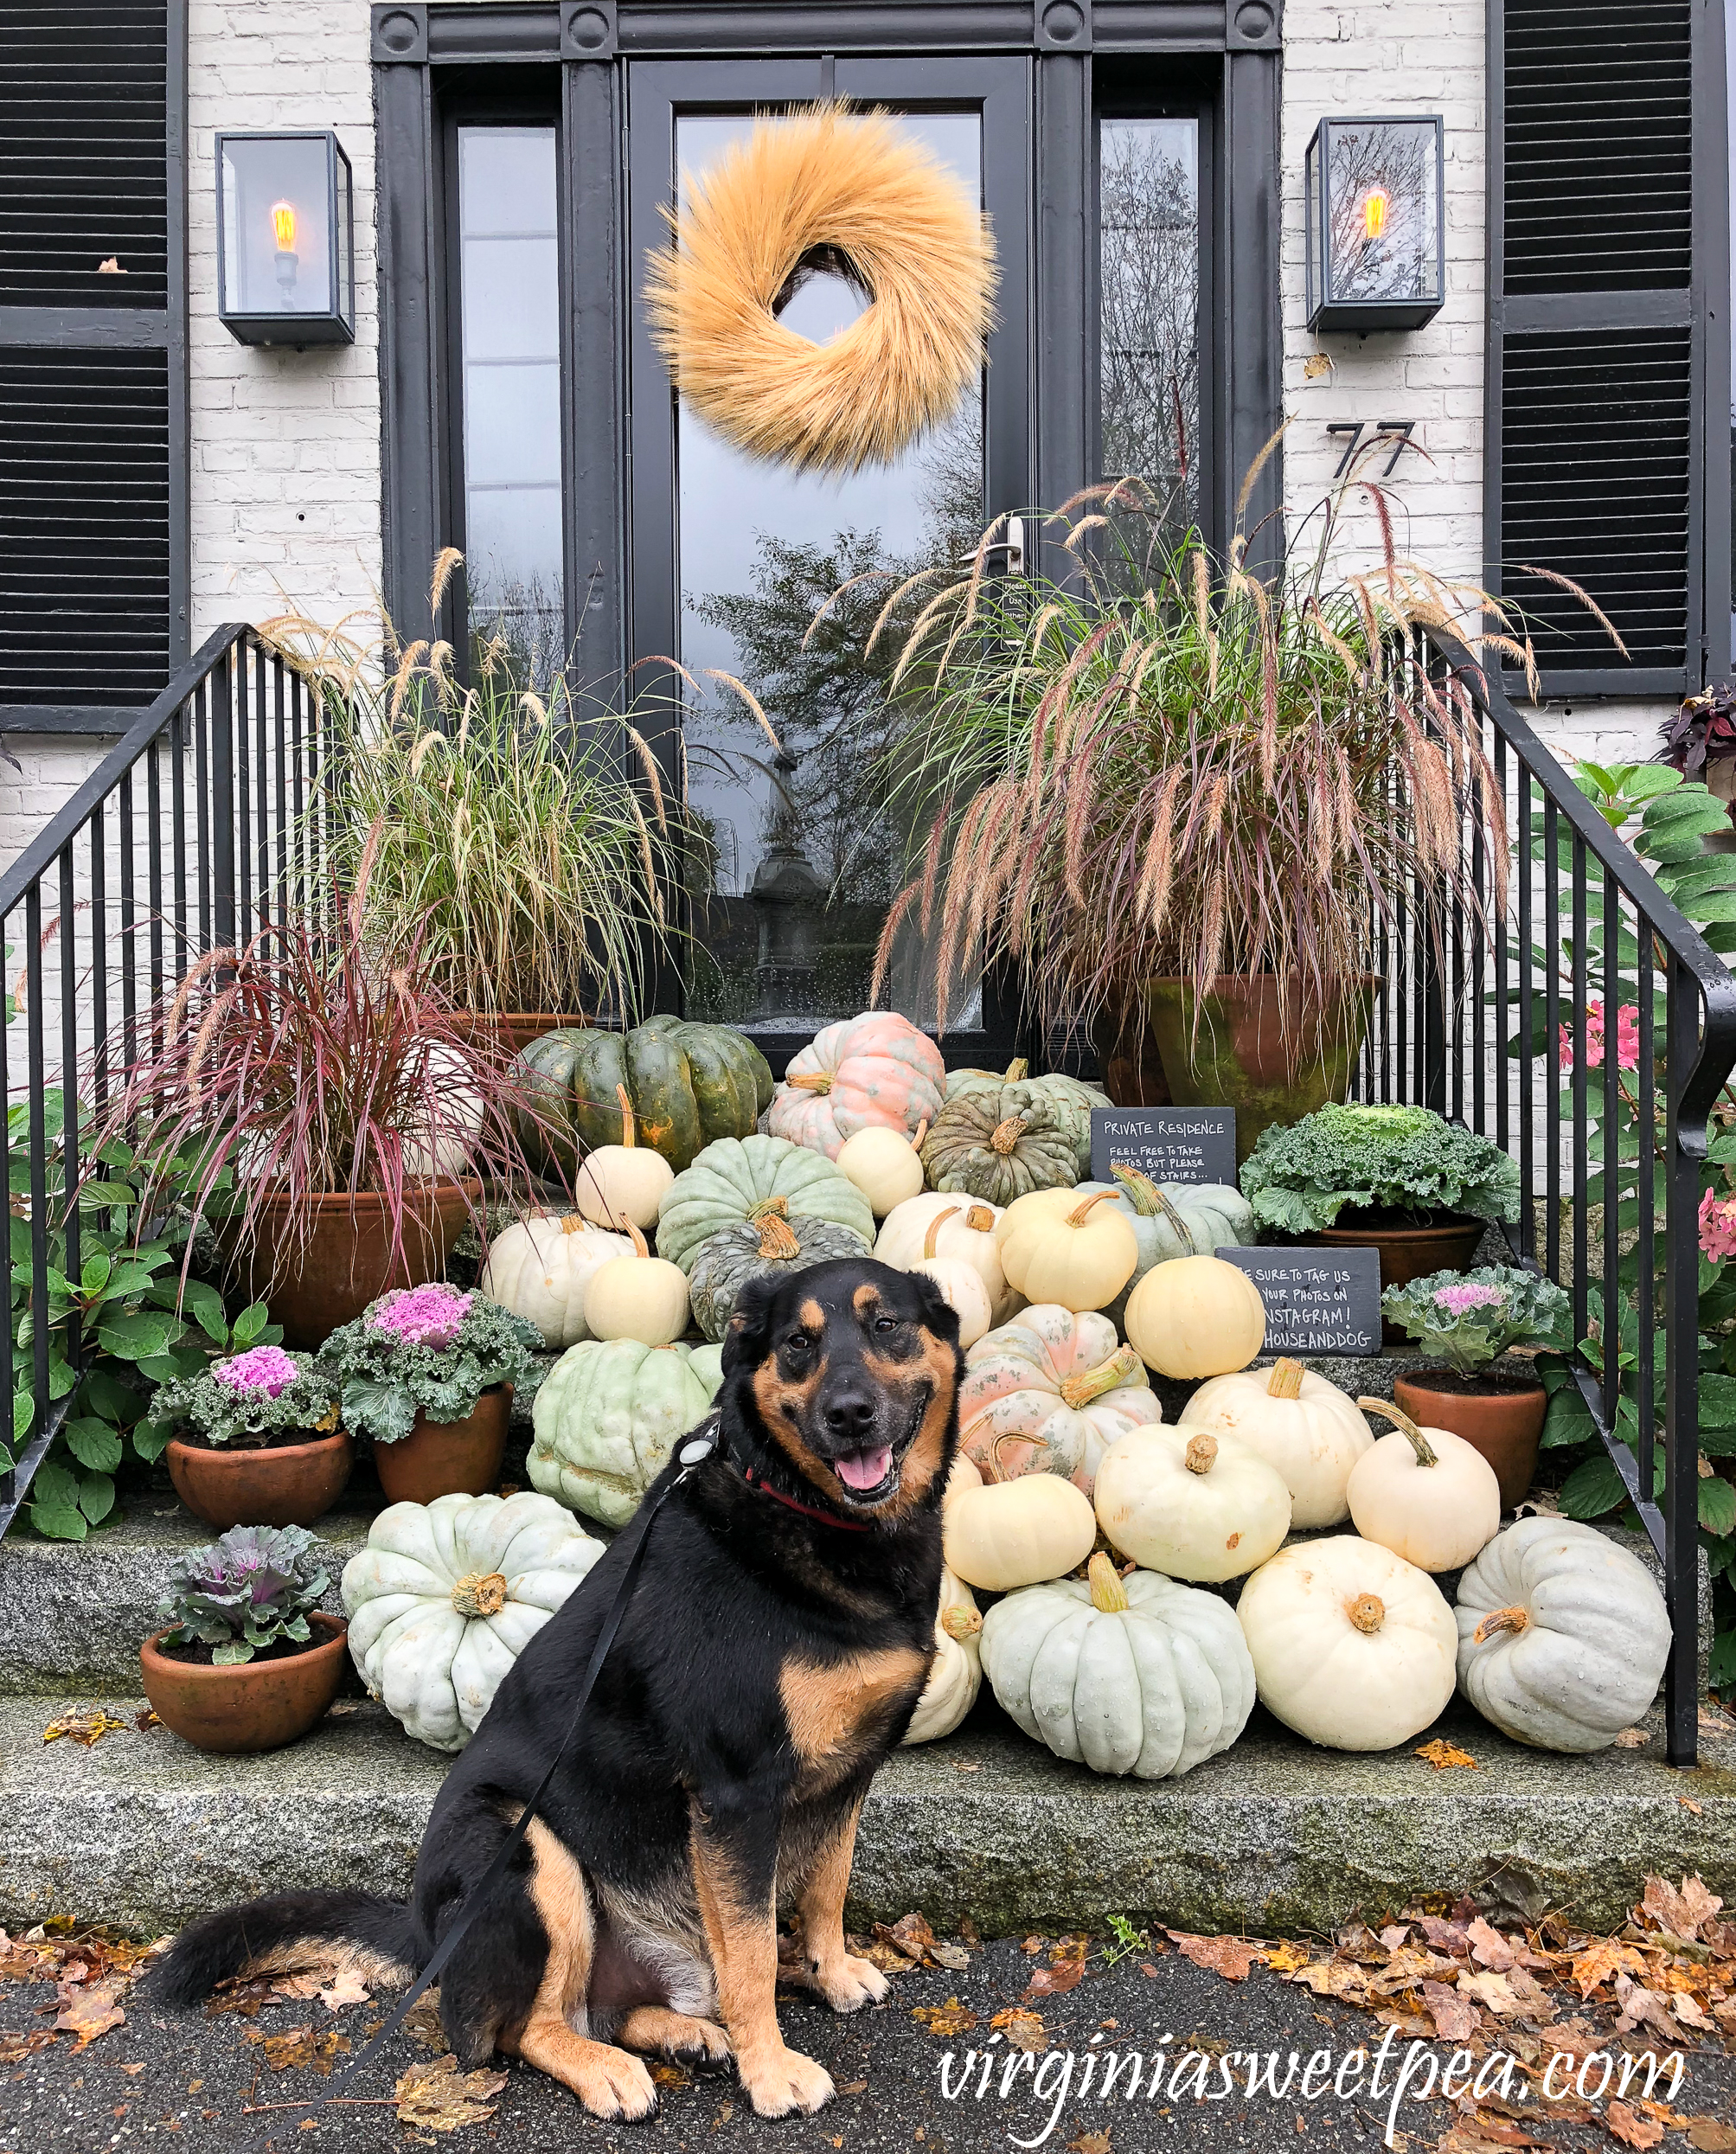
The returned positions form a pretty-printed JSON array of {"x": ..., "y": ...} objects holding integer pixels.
[
  {"x": 848, "y": 1984},
  {"x": 785, "y": 2083},
  {"x": 699, "y": 2044},
  {"x": 616, "y": 2087}
]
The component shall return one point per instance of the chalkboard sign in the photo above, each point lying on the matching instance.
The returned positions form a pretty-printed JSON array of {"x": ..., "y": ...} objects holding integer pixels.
[
  {"x": 1318, "y": 1301},
  {"x": 1168, "y": 1144}
]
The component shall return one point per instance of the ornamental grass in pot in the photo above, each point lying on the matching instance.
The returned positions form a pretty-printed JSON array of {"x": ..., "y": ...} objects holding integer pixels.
[
  {"x": 1471, "y": 1322},
  {"x": 1168, "y": 785},
  {"x": 258, "y": 1441},
  {"x": 246, "y": 1661},
  {"x": 427, "y": 1374}
]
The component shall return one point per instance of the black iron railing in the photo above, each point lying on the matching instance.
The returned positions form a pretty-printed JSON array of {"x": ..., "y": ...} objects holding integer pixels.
[
  {"x": 194, "y": 826},
  {"x": 1585, "y": 1025}
]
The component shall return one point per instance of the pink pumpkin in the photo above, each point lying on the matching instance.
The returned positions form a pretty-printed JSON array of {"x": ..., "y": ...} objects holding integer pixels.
[
  {"x": 873, "y": 1072},
  {"x": 1049, "y": 1393}
]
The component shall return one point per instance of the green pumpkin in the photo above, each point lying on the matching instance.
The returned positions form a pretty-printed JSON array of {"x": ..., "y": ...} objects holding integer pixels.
[
  {"x": 608, "y": 1415},
  {"x": 1071, "y": 1096},
  {"x": 689, "y": 1084},
  {"x": 729, "y": 1178},
  {"x": 768, "y": 1243},
  {"x": 1001, "y": 1142},
  {"x": 1174, "y": 1219}
]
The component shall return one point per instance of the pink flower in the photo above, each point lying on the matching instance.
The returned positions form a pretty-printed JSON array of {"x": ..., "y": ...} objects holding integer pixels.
[
  {"x": 421, "y": 1315},
  {"x": 1627, "y": 1037},
  {"x": 266, "y": 1368},
  {"x": 1718, "y": 1226},
  {"x": 1456, "y": 1301}
]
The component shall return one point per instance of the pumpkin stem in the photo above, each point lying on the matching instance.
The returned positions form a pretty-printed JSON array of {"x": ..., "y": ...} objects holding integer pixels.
[
  {"x": 921, "y": 1132},
  {"x": 628, "y": 1117},
  {"x": 766, "y": 1207},
  {"x": 1108, "y": 1595},
  {"x": 980, "y": 1219},
  {"x": 641, "y": 1247},
  {"x": 1017, "y": 1071},
  {"x": 991, "y": 1468},
  {"x": 1006, "y": 1134},
  {"x": 818, "y": 1080},
  {"x": 1142, "y": 1193},
  {"x": 1515, "y": 1621},
  {"x": 1178, "y": 1224},
  {"x": 934, "y": 1225},
  {"x": 1427, "y": 1454},
  {"x": 1122, "y": 1365},
  {"x": 1285, "y": 1381},
  {"x": 1080, "y": 1213},
  {"x": 480, "y": 1593},
  {"x": 960, "y": 1623},
  {"x": 777, "y": 1239},
  {"x": 1368, "y": 1611},
  {"x": 1201, "y": 1454},
  {"x": 575, "y": 1223}
]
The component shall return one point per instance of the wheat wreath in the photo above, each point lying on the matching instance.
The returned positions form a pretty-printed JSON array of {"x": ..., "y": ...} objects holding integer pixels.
[{"x": 854, "y": 190}]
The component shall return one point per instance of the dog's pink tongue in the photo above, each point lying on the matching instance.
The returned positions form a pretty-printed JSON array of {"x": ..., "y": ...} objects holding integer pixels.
[{"x": 865, "y": 1469}]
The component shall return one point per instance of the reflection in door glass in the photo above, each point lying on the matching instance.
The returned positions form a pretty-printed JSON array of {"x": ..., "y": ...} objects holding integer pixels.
[
  {"x": 511, "y": 333},
  {"x": 1149, "y": 341},
  {"x": 797, "y": 858}
]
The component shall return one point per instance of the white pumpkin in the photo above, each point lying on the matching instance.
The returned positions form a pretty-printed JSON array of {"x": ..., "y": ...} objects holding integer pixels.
[
  {"x": 540, "y": 1269},
  {"x": 957, "y": 1674},
  {"x": 1352, "y": 1646},
  {"x": 1017, "y": 1533},
  {"x": 1309, "y": 1429},
  {"x": 1059, "y": 1246},
  {"x": 628, "y": 1180},
  {"x": 446, "y": 1595},
  {"x": 1563, "y": 1636},
  {"x": 1190, "y": 1504},
  {"x": 969, "y": 1236},
  {"x": 960, "y": 1284},
  {"x": 1174, "y": 1219},
  {"x": 1135, "y": 1674},
  {"x": 964, "y": 1475},
  {"x": 885, "y": 1165},
  {"x": 1049, "y": 1393},
  {"x": 1424, "y": 1493},
  {"x": 1194, "y": 1317},
  {"x": 637, "y": 1296}
]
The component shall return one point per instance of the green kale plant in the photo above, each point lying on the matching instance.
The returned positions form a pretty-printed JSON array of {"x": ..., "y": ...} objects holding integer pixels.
[
  {"x": 1299, "y": 1178},
  {"x": 1470, "y": 1318},
  {"x": 425, "y": 1350},
  {"x": 250, "y": 1401},
  {"x": 252, "y": 1589}
]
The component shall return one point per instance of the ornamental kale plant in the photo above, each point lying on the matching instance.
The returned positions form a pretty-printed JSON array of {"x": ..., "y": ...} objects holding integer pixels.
[
  {"x": 252, "y": 1589},
  {"x": 1408, "y": 1159},
  {"x": 424, "y": 1350},
  {"x": 252, "y": 1400},
  {"x": 1469, "y": 1318}
]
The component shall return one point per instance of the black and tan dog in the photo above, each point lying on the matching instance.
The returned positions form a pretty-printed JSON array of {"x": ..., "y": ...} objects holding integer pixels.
[{"x": 780, "y": 1634}]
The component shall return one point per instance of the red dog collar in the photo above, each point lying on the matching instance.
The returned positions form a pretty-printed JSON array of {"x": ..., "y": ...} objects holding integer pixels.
[{"x": 808, "y": 1511}]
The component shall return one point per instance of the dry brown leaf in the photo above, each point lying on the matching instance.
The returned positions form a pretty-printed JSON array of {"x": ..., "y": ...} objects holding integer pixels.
[
  {"x": 1055, "y": 1981},
  {"x": 1620, "y": 2122},
  {"x": 87, "y": 2009},
  {"x": 1632, "y": 1739},
  {"x": 946, "y": 2020},
  {"x": 1442, "y": 1754},
  {"x": 1394, "y": 1935},
  {"x": 422, "y": 2021},
  {"x": 1707, "y": 2134},
  {"x": 1032, "y": 1944},
  {"x": 437, "y": 2097},
  {"x": 1576, "y": 2038},
  {"x": 348, "y": 1989},
  {"x": 1023, "y": 2029},
  {"x": 910, "y": 1934},
  {"x": 1681, "y": 1910},
  {"x": 1335, "y": 1978},
  {"x": 1286, "y": 1955},
  {"x": 298, "y": 2048},
  {"x": 1456, "y": 2017},
  {"x": 1230, "y": 1956},
  {"x": 670, "y": 2076},
  {"x": 1488, "y": 1947},
  {"x": 854, "y": 2087},
  {"x": 1697, "y": 1809},
  {"x": 84, "y": 1729},
  {"x": 15, "y": 2048},
  {"x": 887, "y": 1958},
  {"x": 146, "y": 1721},
  {"x": 1445, "y": 1937},
  {"x": 1089, "y": 2142},
  {"x": 1685, "y": 2008},
  {"x": 950, "y": 1956},
  {"x": 1601, "y": 1961},
  {"x": 1077, "y": 1946}
]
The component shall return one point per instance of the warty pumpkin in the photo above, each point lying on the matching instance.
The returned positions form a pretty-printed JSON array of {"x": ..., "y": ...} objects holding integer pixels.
[
  {"x": 998, "y": 1145},
  {"x": 872, "y": 1071},
  {"x": 1049, "y": 1393},
  {"x": 1071, "y": 1097},
  {"x": 730, "y": 1178},
  {"x": 769, "y": 1243}
]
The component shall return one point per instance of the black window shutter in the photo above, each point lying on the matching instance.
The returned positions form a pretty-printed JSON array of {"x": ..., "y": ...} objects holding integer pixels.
[
  {"x": 92, "y": 360},
  {"x": 1596, "y": 384}
]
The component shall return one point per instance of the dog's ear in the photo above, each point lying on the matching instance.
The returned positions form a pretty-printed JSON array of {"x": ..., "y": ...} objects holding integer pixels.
[
  {"x": 745, "y": 1335},
  {"x": 938, "y": 1314}
]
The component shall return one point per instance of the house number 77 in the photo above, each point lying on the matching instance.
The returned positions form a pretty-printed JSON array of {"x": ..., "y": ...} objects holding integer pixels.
[{"x": 1398, "y": 431}]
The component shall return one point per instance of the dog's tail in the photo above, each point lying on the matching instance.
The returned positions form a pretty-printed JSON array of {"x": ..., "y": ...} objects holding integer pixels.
[{"x": 372, "y": 1938}]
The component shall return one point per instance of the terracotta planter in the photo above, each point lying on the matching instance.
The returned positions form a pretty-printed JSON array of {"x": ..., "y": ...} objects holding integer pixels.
[
  {"x": 514, "y": 1030},
  {"x": 291, "y": 1484},
  {"x": 1266, "y": 1045},
  {"x": 1504, "y": 1425},
  {"x": 348, "y": 1262},
  {"x": 448, "y": 1457},
  {"x": 260, "y": 1705},
  {"x": 1410, "y": 1248}
]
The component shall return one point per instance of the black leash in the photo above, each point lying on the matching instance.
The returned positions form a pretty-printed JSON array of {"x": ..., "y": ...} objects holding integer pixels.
[{"x": 696, "y": 1449}]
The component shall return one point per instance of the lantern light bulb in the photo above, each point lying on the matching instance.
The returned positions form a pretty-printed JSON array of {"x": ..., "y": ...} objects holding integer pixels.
[
  {"x": 283, "y": 224},
  {"x": 1375, "y": 206}
]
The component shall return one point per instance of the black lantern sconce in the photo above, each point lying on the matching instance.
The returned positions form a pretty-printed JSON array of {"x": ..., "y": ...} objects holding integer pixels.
[
  {"x": 1376, "y": 223},
  {"x": 286, "y": 239}
]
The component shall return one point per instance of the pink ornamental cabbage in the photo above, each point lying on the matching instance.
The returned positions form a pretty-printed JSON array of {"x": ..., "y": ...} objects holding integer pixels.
[
  {"x": 1456, "y": 1300},
  {"x": 1627, "y": 1037},
  {"x": 421, "y": 1315},
  {"x": 1718, "y": 1226},
  {"x": 266, "y": 1368}
]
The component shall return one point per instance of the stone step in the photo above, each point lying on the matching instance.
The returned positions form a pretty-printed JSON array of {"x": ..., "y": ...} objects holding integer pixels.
[{"x": 142, "y": 1829}]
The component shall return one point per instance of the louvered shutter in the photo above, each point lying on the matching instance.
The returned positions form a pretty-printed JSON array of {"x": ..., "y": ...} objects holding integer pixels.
[
  {"x": 92, "y": 438},
  {"x": 1596, "y": 388}
]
